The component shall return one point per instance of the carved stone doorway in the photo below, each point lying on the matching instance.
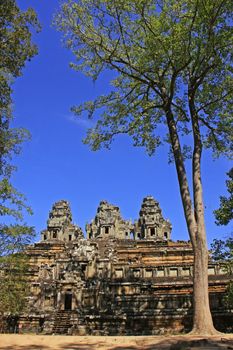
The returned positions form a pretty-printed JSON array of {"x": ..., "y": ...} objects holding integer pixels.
[{"x": 68, "y": 301}]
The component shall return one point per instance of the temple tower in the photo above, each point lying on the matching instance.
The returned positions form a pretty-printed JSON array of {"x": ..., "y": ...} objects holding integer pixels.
[
  {"x": 151, "y": 224},
  {"x": 108, "y": 223},
  {"x": 59, "y": 224}
]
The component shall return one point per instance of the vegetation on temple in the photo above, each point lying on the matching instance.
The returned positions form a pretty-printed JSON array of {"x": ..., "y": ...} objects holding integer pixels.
[
  {"x": 225, "y": 212},
  {"x": 171, "y": 63},
  {"x": 222, "y": 251},
  {"x": 16, "y": 48}
]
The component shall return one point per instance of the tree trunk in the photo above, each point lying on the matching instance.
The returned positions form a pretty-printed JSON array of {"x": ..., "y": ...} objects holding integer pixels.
[{"x": 202, "y": 318}]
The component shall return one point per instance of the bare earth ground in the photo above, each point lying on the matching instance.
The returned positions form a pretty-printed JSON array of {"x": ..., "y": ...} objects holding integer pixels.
[{"x": 180, "y": 342}]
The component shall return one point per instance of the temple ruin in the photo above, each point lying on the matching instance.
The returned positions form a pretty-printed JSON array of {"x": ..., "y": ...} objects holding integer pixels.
[{"x": 124, "y": 278}]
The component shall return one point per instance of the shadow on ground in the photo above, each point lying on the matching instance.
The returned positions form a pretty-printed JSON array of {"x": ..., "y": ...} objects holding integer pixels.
[
  {"x": 187, "y": 344},
  {"x": 170, "y": 344}
]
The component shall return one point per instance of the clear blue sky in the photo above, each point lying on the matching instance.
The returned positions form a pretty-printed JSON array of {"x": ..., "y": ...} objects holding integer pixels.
[{"x": 56, "y": 165}]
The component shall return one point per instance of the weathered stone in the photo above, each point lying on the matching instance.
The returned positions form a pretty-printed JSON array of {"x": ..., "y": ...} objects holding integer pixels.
[
  {"x": 109, "y": 223},
  {"x": 123, "y": 279},
  {"x": 59, "y": 224},
  {"x": 151, "y": 224}
]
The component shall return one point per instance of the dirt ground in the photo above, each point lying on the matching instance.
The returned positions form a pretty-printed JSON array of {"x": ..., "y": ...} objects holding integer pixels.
[{"x": 46, "y": 342}]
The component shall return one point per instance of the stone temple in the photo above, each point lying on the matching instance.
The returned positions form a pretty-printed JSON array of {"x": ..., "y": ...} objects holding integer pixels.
[{"x": 124, "y": 278}]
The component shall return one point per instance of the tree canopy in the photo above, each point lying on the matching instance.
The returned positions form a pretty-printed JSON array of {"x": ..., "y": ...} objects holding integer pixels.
[
  {"x": 222, "y": 252},
  {"x": 225, "y": 212},
  {"x": 16, "y": 48},
  {"x": 14, "y": 286},
  {"x": 164, "y": 52}
]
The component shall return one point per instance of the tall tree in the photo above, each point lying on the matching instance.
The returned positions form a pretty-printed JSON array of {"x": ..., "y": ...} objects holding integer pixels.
[
  {"x": 172, "y": 66},
  {"x": 16, "y": 48}
]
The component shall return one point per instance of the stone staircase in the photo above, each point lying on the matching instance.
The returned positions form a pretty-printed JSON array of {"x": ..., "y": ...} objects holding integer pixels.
[{"x": 62, "y": 322}]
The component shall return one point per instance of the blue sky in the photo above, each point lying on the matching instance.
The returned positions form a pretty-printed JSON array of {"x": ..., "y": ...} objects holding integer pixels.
[{"x": 56, "y": 165}]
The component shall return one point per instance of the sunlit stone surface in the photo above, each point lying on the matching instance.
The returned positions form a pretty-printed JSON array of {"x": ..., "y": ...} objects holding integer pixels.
[{"x": 124, "y": 278}]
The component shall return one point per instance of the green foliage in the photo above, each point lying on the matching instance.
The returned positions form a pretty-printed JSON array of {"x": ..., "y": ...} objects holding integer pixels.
[
  {"x": 228, "y": 300},
  {"x": 162, "y": 54},
  {"x": 225, "y": 212},
  {"x": 13, "y": 284},
  {"x": 222, "y": 252},
  {"x": 14, "y": 238},
  {"x": 14, "y": 233},
  {"x": 16, "y": 48}
]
